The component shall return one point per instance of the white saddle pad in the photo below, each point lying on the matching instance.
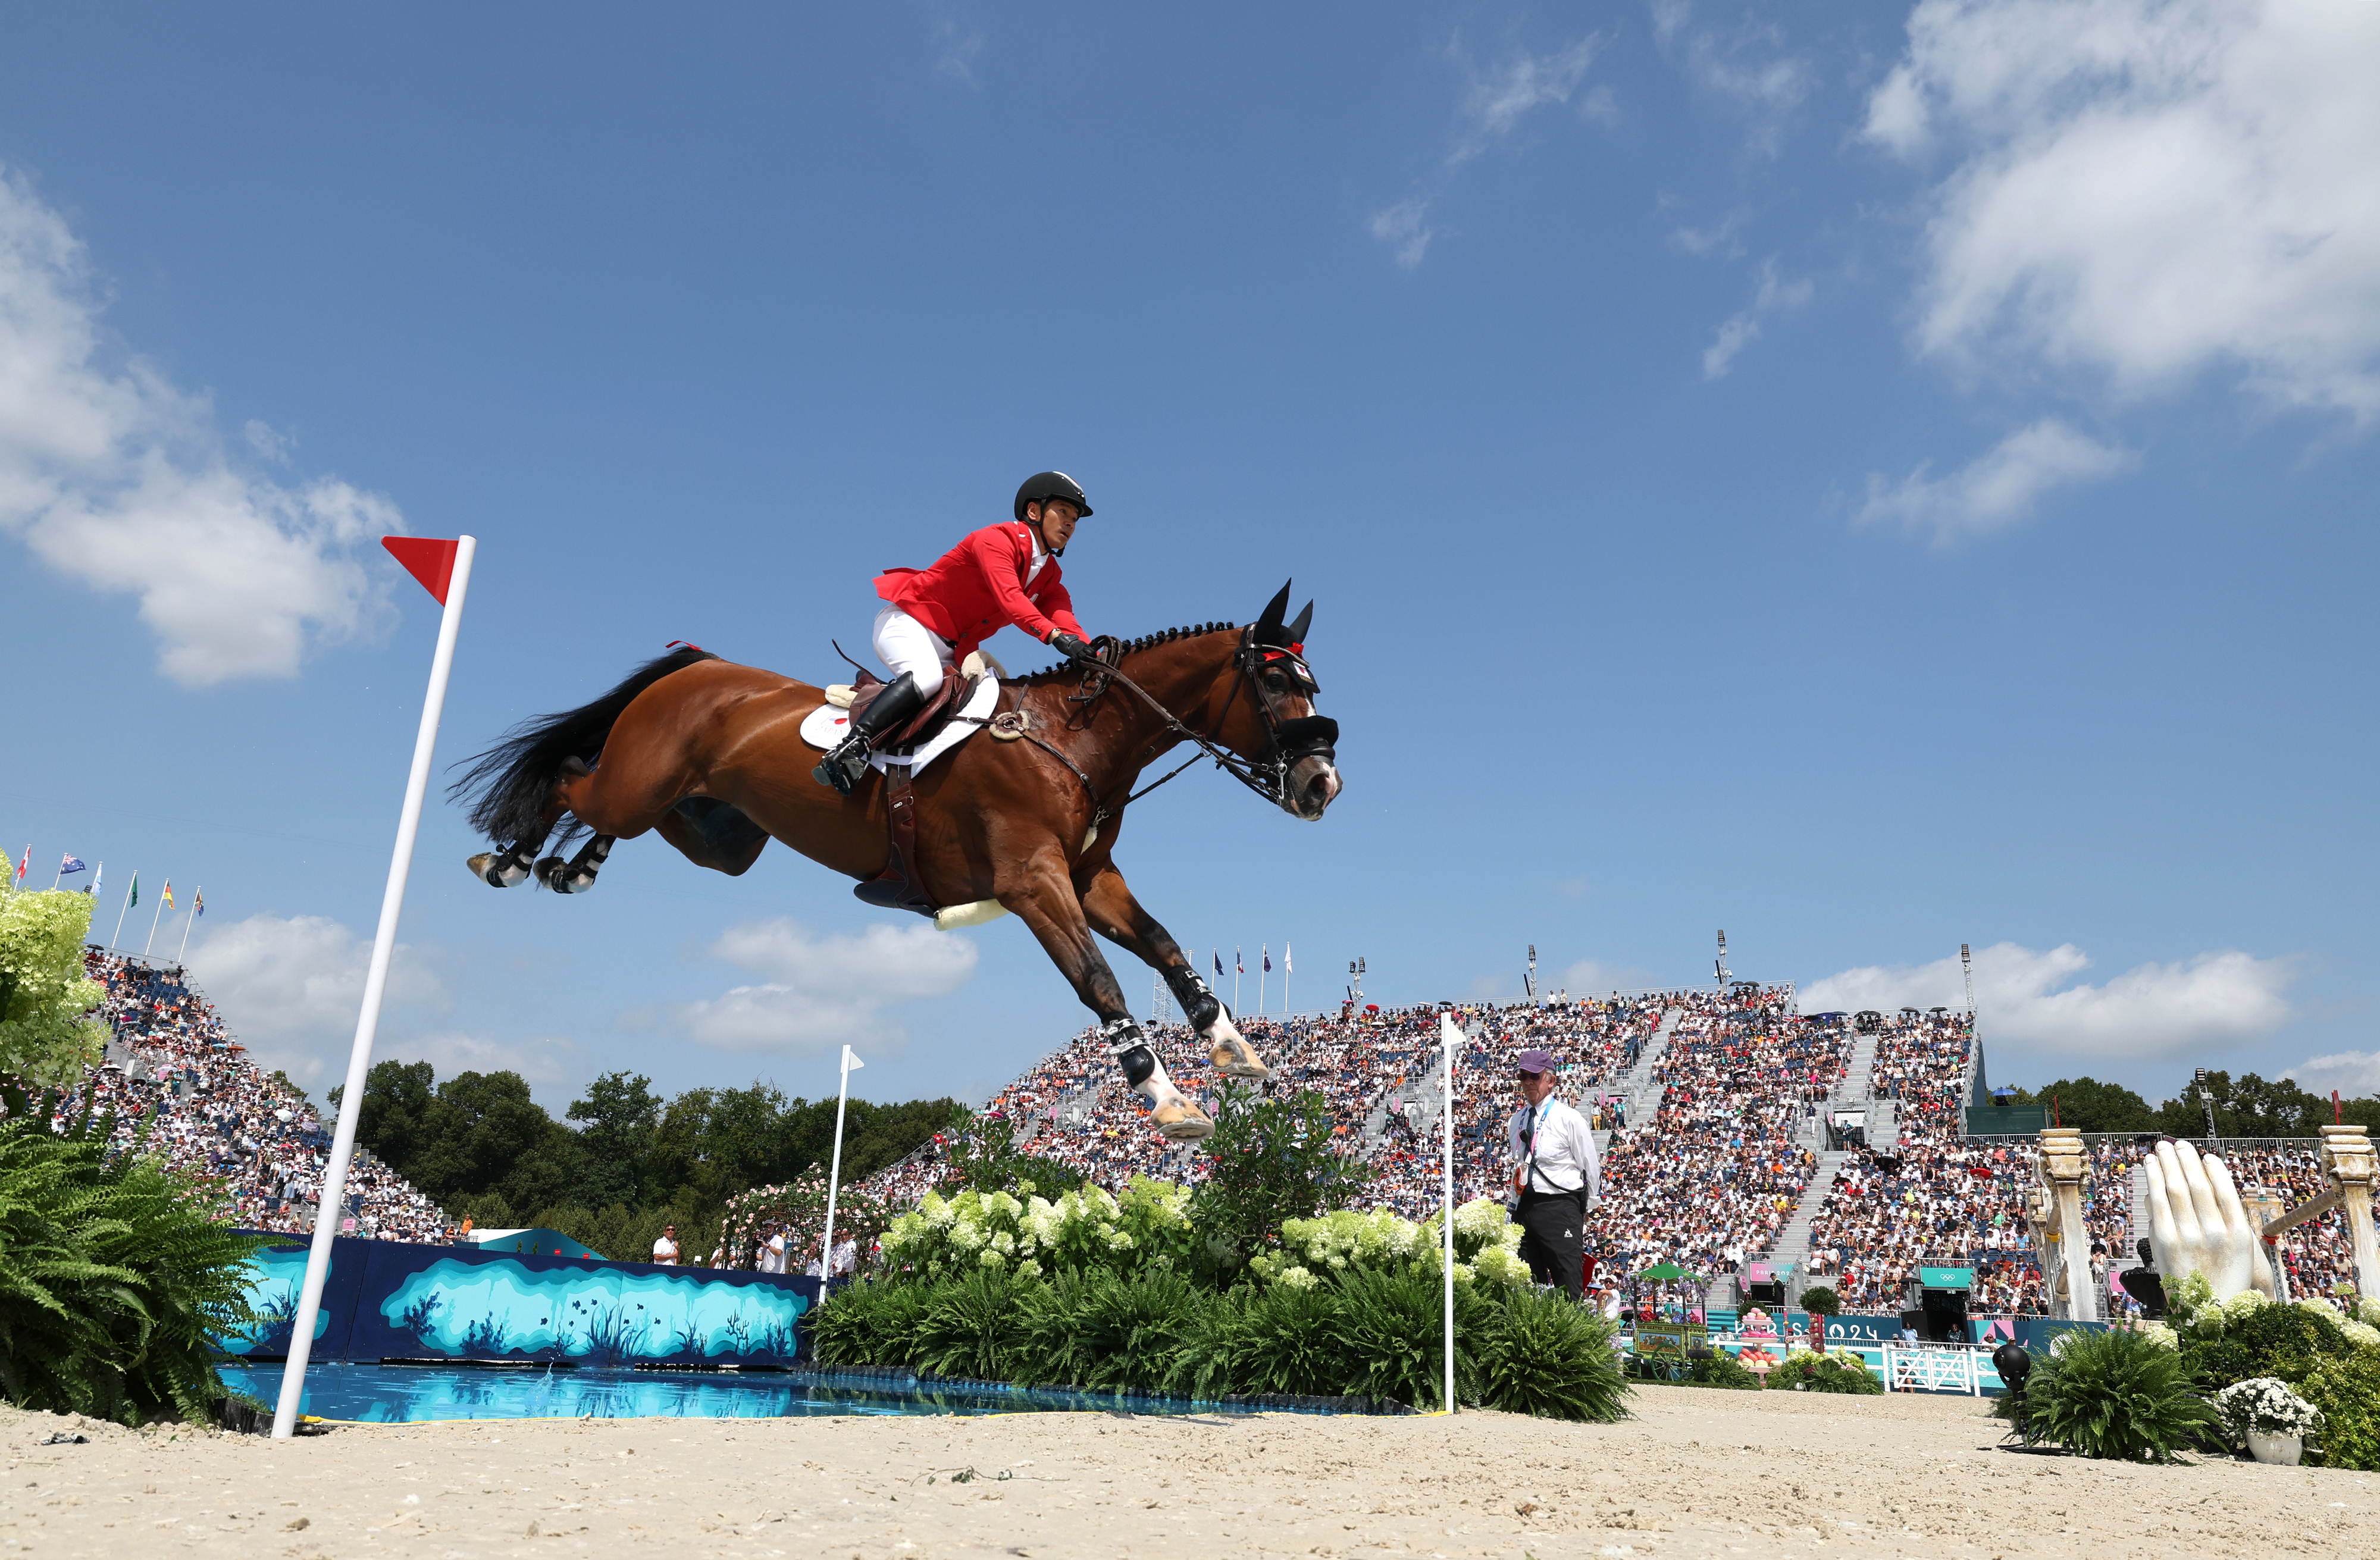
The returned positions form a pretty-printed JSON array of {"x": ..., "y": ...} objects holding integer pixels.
[{"x": 827, "y": 725}]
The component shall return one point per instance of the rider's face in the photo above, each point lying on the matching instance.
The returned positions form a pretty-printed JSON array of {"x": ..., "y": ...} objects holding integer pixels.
[{"x": 1057, "y": 519}]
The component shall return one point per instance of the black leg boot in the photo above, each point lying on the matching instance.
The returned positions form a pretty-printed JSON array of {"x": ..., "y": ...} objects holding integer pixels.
[{"x": 847, "y": 764}]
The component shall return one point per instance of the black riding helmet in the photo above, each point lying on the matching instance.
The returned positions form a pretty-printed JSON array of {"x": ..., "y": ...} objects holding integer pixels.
[{"x": 1043, "y": 485}]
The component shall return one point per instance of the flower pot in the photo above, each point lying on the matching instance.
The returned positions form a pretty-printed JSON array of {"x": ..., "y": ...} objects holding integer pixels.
[{"x": 2284, "y": 1450}]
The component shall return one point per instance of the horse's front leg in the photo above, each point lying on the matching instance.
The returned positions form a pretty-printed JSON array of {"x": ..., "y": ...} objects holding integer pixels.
[
  {"x": 1040, "y": 892},
  {"x": 1120, "y": 918}
]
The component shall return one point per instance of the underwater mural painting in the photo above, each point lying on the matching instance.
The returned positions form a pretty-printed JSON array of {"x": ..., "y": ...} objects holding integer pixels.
[{"x": 388, "y": 1300}]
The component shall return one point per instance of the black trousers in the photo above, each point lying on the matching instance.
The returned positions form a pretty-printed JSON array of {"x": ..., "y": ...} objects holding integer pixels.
[{"x": 1553, "y": 1227}]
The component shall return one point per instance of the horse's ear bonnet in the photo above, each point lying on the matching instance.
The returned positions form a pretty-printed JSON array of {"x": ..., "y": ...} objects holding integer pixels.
[{"x": 1269, "y": 630}]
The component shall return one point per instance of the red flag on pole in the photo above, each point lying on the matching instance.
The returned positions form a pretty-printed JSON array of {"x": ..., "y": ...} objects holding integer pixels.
[{"x": 430, "y": 560}]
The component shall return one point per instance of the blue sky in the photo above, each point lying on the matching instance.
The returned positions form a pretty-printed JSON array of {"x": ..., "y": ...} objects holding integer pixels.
[{"x": 1868, "y": 478}]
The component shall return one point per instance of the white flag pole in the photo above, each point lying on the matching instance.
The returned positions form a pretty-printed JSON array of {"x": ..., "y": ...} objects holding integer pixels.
[
  {"x": 1452, "y": 1038},
  {"x": 835, "y": 1173},
  {"x": 154, "y": 916},
  {"x": 1264, "y": 972},
  {"x": 333, "y": 1197},
  {"x": 197, "y": 897},
  {"x": 122, "y": 909}
]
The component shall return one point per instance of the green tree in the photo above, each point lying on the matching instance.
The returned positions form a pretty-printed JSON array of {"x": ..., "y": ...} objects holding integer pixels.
[
  {"x": 487, "y": 1135},
  {"x": 47, "y": 1033},
  {"x": 2095, "y": 1107},
  {"x": 394, "y": 1119},
  {"x": 617, "y": 1118},
  {"x": 2247, "y": 1106}
]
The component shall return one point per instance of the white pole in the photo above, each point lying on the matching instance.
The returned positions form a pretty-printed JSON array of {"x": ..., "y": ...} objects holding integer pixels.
[
  {"x": 121, "y": 912},
  {"x": 333, "y": 1197},
  {"x": 154, "y": 916},
  {"x": 61, "y": 876},
  {"x": 1452, "y": 1038},
  {"x": 189, "y": 921},
  {"x": 1264, "y": 972},
  {"x": 835, "y": 1173}
]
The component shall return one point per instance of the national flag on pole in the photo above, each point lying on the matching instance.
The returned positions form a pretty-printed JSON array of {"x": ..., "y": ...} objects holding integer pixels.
[
  {"x": 135, "y": 899},
  {"x": 199, "y": 902},
  {"x": 70, "y": 865},
  {"x": 1268, "y": 958},
  {"x": 1239, "y": 963},
  {"x": 1219, "y": 963},
  {"x": 26, "y": 865},
  {"x": 1286, "y": 967},
  {"x": 169, "y": 893},
  {"x": 99, "y": 879}
]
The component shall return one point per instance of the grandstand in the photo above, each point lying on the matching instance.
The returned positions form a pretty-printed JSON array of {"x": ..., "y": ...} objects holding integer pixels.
[{"x": 174, "y": 1074}]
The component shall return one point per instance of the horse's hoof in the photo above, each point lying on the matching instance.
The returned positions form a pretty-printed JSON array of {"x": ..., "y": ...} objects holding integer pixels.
[
  {"x": 498, "y": 872},
  {"x": 556, "y": 873},
  {"x": 1236, "y": 1058},
  {"x": 1180, "y": 1121}
]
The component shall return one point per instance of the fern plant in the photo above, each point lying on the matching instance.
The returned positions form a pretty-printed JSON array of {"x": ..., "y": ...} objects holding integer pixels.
[
  {"x": 1543, "y": 1354},
  {"x": 2118, "y": 1394},
  {"x": 112, "y": 1278}
]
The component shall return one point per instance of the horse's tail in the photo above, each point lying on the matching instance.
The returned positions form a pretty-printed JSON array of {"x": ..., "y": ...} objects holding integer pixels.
[{"x": 508, "y": 784}]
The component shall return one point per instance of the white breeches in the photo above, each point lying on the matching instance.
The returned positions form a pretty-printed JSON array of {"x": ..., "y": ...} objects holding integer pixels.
[{"x": 905, "y": 645}]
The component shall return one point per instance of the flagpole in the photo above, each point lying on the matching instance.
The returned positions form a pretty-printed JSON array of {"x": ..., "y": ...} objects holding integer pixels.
[
  {"x": 834, "y": 1174},
  {"x": 154, "y": 916},
  {"x": 1239, "y": 968},
  {"x": 1288, "y": 968},
  {"x": 1264, "y": 972},
  {"x": 1451, "y": 1038},
  {"x": 332, "y": 1196},
  {"x": 62, "y": 873},
  {"x": 121, "y": 912},
  {"x": 198, "y": 896}
]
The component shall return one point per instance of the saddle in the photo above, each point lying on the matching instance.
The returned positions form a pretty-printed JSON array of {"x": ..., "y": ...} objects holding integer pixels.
[{"x": 930, "y": 718}]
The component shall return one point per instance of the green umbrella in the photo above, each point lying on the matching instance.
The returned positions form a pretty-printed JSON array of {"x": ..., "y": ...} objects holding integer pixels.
[{"x": 1663, "y": 1270}]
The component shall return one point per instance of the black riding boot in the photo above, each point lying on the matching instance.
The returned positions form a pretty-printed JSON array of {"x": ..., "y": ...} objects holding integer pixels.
[{"x": 847, "y": 764}]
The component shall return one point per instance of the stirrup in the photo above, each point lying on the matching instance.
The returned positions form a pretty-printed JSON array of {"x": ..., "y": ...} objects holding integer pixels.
[{"x": 843, "y": 768}]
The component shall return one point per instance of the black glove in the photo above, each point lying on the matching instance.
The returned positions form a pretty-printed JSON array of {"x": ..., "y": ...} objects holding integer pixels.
[{"x": 1073, "y": 650}]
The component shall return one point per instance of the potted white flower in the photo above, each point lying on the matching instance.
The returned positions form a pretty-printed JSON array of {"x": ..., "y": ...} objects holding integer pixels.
[{"x": 2272, "y": 1419}]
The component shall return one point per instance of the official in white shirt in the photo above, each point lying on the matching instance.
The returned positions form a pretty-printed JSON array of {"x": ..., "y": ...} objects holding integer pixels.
[{"x": 1554, "y": 1172}]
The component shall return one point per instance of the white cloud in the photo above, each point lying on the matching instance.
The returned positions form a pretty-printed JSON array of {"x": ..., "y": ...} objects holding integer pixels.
[
  {"x": 2352, "y": 1073},
  {"x": 2025, "y": 1002},
  {"x": 826, "y": 991},
  {"x": 116, "y": 478},
  {"x": 956, "y": 44},
  {"x": 289, "y": 990},
  {"x": 2144, "y": 189},
  {"x": 1502, "y": 95},
  {"x": 1594, "y": 977},
  {"x": 1496, "y": 100},
  {"x": 1404, "y": 227},
  {"x": 547, "y": 1061},
  {"x": 1744, "y": 64},
  {"x": 1996, "y": 488},
  {"x": 1774, "y": 297}
]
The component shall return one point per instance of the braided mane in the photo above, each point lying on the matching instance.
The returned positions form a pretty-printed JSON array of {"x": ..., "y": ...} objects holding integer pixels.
[{"x": 1131, "y": 647}]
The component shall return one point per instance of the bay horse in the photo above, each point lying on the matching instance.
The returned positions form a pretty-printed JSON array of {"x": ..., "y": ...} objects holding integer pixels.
[{"x": 1021, "y": 820}]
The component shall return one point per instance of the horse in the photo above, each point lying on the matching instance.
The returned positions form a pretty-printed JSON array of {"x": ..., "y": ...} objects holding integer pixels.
[{"x": 711, "y": 754}]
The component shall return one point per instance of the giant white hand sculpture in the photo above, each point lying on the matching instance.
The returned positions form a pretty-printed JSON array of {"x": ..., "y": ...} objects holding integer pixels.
[{"x": 2197, "y": 1223}]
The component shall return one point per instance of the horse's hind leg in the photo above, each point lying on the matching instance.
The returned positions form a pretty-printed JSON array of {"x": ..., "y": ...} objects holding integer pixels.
[
  {"x": 576, "y": 875},
  {"x": 506, "y": 868}
]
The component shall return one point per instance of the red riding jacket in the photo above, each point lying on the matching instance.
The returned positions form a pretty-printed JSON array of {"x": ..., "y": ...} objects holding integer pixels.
[{"x": 979, "y": 587}]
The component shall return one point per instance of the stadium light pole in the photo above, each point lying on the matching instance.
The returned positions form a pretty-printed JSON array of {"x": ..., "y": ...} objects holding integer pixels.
[
  {"x": 444, "y": 569},
  {"x": 1452, "y": 1038}
]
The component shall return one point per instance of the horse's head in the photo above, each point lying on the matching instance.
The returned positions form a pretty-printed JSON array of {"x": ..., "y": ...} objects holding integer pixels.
[{"x": 1277, "y": 728}]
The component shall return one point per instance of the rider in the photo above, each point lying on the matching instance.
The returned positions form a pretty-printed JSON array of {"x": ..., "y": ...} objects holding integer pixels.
[{"x": 1000, "y": 576}]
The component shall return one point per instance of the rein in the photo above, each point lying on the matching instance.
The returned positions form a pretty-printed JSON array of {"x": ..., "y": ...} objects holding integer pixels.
[{"x": 1268, "y": 781}]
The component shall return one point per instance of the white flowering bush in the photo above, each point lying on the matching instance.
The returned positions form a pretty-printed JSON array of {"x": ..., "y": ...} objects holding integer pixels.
[
  {"x": 1145, "y": 1229},
  {"x": 2367, "y": 1311},
  {"x": 2159, "y": 1334},
  {"x": 2267, "y": 1406},
  {"x": 1487, "y": 1245}
]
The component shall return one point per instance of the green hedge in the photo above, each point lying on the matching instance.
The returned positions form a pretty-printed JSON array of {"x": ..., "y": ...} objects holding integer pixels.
[{"x": 1359, "y": 1332}]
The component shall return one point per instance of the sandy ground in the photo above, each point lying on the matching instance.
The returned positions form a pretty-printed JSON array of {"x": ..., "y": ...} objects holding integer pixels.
[{"x": 1696, "y": 1473}]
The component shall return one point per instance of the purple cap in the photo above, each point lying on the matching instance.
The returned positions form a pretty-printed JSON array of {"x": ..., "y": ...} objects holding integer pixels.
[{"x": 1534, "y": 1060}]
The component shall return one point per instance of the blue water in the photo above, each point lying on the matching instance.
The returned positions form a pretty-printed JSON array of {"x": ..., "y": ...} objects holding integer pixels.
[{"x": 390, "y": 1394}]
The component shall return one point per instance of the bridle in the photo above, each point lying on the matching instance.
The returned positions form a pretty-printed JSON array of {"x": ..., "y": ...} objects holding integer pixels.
[{"x": 1288, "y": 742}]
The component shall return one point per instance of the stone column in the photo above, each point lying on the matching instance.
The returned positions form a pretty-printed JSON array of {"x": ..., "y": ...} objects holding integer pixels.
[
  {"x": 2062, "y": 1162},
  {"x": 2347, "y": 1155}
]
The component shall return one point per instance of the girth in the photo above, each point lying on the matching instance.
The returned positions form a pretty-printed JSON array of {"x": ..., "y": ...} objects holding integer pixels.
[{"x": 897, "y": 886}]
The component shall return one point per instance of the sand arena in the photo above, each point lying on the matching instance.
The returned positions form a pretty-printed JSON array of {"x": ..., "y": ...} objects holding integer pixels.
[{"x": 1697, "y": 1472}]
